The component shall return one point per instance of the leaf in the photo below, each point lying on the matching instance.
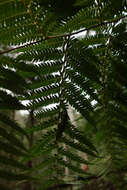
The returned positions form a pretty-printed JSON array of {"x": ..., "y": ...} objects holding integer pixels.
[
  {"x": 11, "y": 138},
  {"x": 76, "y": 134},
  {"x": 14, "y": 177},
  {"x": 12, "y": 124},
  {"x": 12, "y": 162},
  {"x": 77, "y": 146},
  {"x": 8, "y": 148}
]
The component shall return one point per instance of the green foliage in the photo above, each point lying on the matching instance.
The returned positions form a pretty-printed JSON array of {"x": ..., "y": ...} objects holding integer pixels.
[{"x": 48, "y": 61}]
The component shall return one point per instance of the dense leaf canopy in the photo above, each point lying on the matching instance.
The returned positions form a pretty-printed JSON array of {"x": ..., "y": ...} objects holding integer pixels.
[{"x": 55, "y": 54}]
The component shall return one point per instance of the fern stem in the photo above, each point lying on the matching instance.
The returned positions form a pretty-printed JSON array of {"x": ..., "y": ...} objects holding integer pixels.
[
  {"x": 62, "y": 117},
  {"x": 105, "y": 71},
  {"x": 61, "y": 99}
]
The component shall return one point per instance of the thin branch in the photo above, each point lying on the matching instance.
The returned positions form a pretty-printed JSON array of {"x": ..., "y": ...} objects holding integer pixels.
[
  {"x": 97, "y": 25},
  {"x": 19, "y": 47},
  {"x": 64, "y": 35}
]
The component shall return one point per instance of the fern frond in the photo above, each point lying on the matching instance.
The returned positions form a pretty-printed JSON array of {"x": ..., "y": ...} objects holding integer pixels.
[
  {"x": 71, "y": 167},
  {"x": 39, "y": 55},
  {"x": 6, "y": 147},
  {"x": 80, "y": 20},
  {"x": 85, "y": 85},
  {"x": 43, "y": 92},
  {"x": 13, "y": 177},
  {"x": 9, "y": 77},
  {"x": 80, "y": 103},
  {"x": 12, "y": 124},
  {"x": 47, "y": 112},
  {"x": 44, "y": 81},
  {"x": 7, "y": 101},
  {"x": 76, "y": 134},
  {"x": 12, "y": 139},
  {"x": 44, "y": 125},
  {"x": 12, "y": 162},
  {"x": 53, "y": 68},
  {"x": 45, "y": 101},
  {"x": 72, "y": 156},
  {"x": 77, "y": 146}
]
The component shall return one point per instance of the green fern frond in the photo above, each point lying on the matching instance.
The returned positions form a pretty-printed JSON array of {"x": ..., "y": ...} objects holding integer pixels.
[
  {"x": 10, "y": 149},
  {"x": 52, "y": 68},
  {"x": 85, "y": 85},
  {"x": 13, "y": 177},
  {"x": 79, "y": 102},
  {"x": 72, "y": 156},
  {"x": 43, "y": 92},
  {"x": 71, "y": 167},
  {"x": 47, "y": 112},
  {"x": 45, "y": 101},
  {"x": 77, "y": 146},
  {"x": 12, "y": 124},
  {"x": 9, "y": 77},
  {"x": 76, "y": 134},
  {"x": 44, "y": 81},
  {"x": 81, "y": 19},
  {"x": 12, "y": 162},
  {"x": 11, "y": 138},
  {"x": 44, "y": 125},
  {"x": 41, "y": 55},
  {"x": 7, "y": 101}
]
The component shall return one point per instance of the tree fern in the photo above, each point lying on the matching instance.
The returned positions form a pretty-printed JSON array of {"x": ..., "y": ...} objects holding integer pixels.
[{"x": 48, "y": 65}]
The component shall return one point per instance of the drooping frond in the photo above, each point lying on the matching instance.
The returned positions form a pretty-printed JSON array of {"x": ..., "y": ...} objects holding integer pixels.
[{"x": 71, "y": 55}]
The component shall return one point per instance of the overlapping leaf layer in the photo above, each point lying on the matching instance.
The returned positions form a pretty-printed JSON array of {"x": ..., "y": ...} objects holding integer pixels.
[{"x": 54, "y": 55}]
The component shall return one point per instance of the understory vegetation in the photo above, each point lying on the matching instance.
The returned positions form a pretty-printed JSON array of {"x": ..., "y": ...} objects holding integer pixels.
[{"x": 64, "y": 63}]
